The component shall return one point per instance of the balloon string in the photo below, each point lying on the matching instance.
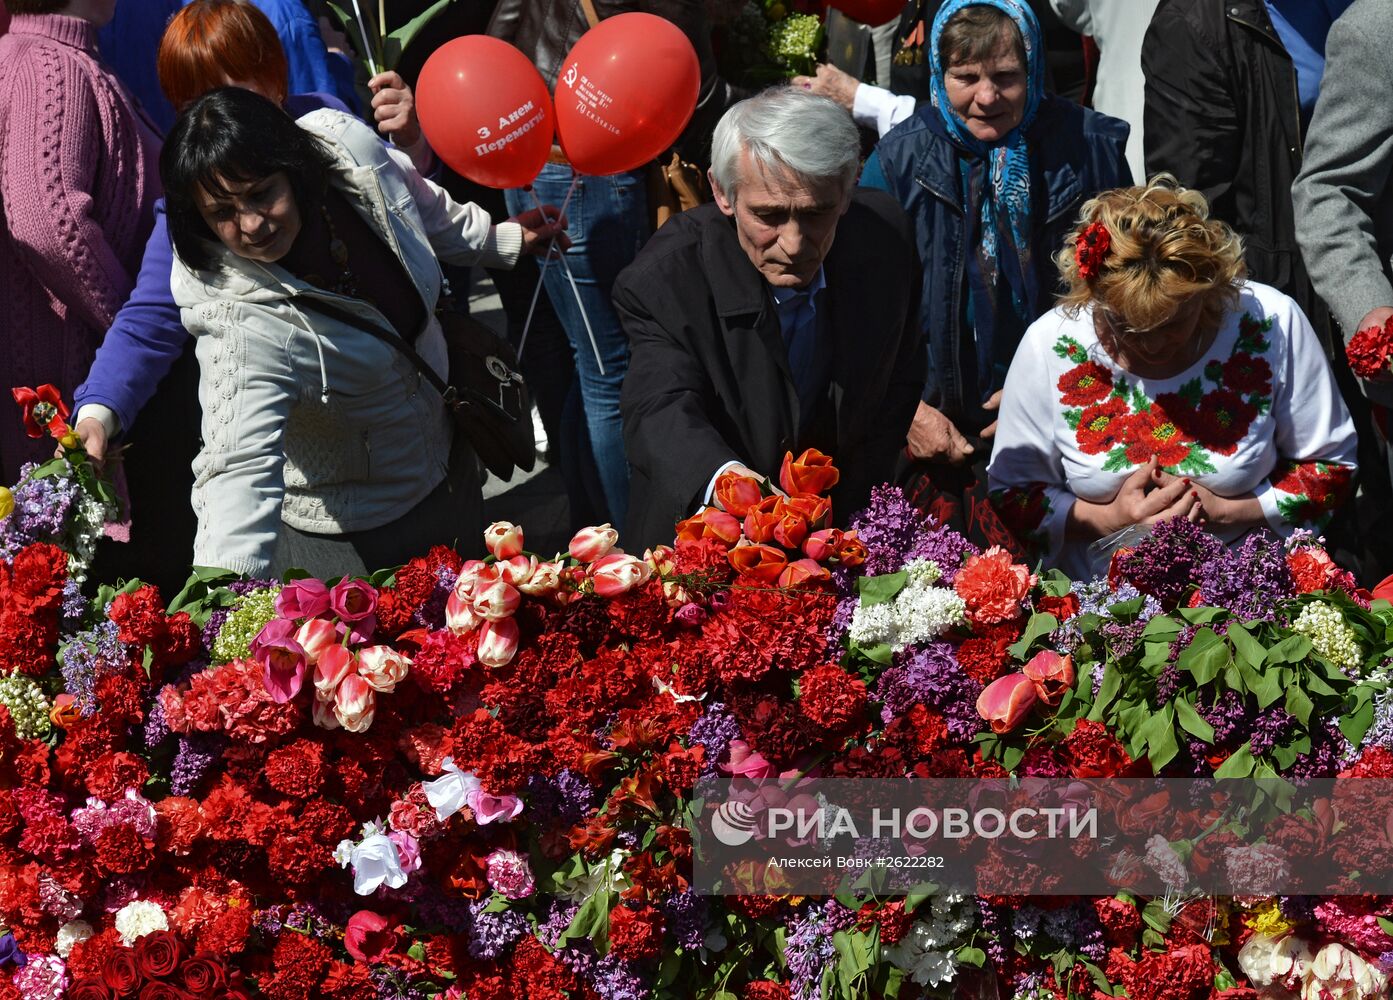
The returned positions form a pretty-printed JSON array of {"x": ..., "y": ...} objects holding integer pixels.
[{"x": 575, "y": 289}]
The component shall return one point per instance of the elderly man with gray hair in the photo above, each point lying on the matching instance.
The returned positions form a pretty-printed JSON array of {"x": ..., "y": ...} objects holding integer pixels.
[{"x": 781, "y": 317}]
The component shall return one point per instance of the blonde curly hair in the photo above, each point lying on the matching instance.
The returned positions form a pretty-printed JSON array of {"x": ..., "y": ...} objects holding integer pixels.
[{"x": 1163, "y": 250}]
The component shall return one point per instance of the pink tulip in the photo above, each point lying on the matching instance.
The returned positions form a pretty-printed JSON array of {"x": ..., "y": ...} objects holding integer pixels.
[
  {"x": 1051, "y": 674},
  {"x": 495, "y": 601},
  {"x": 747, "y": 763},
  {"x": 317, "y": 635},
  {"x": 517, "y": 570},
  {"x": 593, "y": 543},
  {"x": 545, "y": 579},
  {"x": 469, "y": 577},
  {"x": 335, "y": 664},
  {"x": 382, "y": 667},
  {"x": 1006, "y": 702},
  {"x": 503, "y": 539},
  {"x": 284, "y": 666},
  {"x": 308, "y": 598},
  {"x": 492, "y": 808},
  {"x": 369, "y": 937},
  {"x": 273, "y": 631},
  {"x": 354, "y": 704},
  {"x": 822, "y": 545},
  {"x": 355, "y": 603},
  {"x": 498, "y": 643},
  {"x": 662, "y": 559},
  {"x": 459, "y": 614},
  {"x": 322, "y": 711},
  {"x": 618, "y": 573}
]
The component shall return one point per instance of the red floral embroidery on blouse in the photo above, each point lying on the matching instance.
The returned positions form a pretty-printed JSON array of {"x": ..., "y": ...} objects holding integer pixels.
[
  {"x": 1219, "y": 423},
  {"x": 1102, "y": 427},
  {"x": 1248, "y": 375},
  {"x": 1083, "y": 384},
  {"x": 1316, "y": 489},
  {"x": 1155, "y": 432}
]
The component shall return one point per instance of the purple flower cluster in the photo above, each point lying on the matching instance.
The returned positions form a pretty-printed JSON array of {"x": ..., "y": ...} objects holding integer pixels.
[
  {"x": 930, "y": 674},
  {"x": 1077, "y": 928},
  {"x": 491, "y": 934},
  {"x": 156, "y": 729},
  {"x": 890, "y": 527},
  {"x": 686, "y": 915},
  {"x": 42, "y": 508},
  {"x": 996, "y": 928},
  {"x": 559, "y": 914},
  {"x": 196, "y": 754},
  {"x": 809, "y": 950},
  {"x": 393, "y": 985},
  {"x": 1229, "y": 717},
  {"x": 616, "y": 979},
  {"x": 90, "y": 656},
  {"x": 1248, "y": 580},
  {"x": 1166, "y": 563},
  {"x": 75, "y": 606},
  {"x": 714, "y": 730},
  {"x": 431, "y": 613},
  {"x": 1270, "y": 728},
  {"x": 946, "y": 548},
  {"x": 568, "y": 797}
]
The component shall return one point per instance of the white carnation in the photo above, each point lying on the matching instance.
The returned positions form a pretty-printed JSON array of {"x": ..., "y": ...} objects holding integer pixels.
[
  {"x": 69, "y": 935},
  {"x": 135, "y": 920}
]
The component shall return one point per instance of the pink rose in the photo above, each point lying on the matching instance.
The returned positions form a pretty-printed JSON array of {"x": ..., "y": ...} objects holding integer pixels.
[
  {"x": 284, "y": 666},
  {"x": 618, "y": 573},
  {"x": 308, "y": 598},
  {"x": 1006, "y": 702},
  {"x": 503, "y": 539},
  {"x": 382, "y": 667},
  {"x": 408, "y": 850},
  {"x": 492, "y": 808},
  {"x": 354, "y": 704},
  {"x": 335, "y": 664},
  {"x": 1051, "y": 674},
  {"x": 498, "y": 642},
  {"x": 594, "y": 543},
  {"x": 369, "y": 937},
  {"x": 317, "y": 635}
]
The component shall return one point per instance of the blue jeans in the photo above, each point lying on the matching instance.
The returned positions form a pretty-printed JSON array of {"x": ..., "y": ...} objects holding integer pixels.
[{"x": 608, "y": 223}]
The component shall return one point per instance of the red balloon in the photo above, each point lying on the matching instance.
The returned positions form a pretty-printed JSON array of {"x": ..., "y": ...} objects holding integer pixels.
[
  {"x": 485, "y": 110},
  {"x": 626, "y": 91},
  {"x": 870, "y": 12}
]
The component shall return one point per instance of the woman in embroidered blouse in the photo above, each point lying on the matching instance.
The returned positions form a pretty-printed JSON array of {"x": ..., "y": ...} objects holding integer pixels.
[{"x": 1164, "y": 384}]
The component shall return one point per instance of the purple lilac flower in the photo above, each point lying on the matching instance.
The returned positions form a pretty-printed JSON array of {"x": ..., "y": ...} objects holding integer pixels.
[
  {"x": 1228, "y": 716},
  {"x": 1324, "y": 759},
  {"x": 1271, "y": 727},
  {"x": 996, "y": 928},
  {"x": 41, "y": 511},
  {"x": 568, "y": 797},
  {"x": 945, "y": 548},
  {"x": 196, "y": 754},
  {"x": 1025, "y": 921},
  {"x": 1168, "y": 682},
  {"x": 1249, "y": 580},
  {"x": 393, "y": 985},
  {"x": 1076, "y": 928},
  {"x": 889, "y": 527},
  {"x": 75, "y": 606},
  {"x": 807, "y": 952},
  {"x": 714, "y": 730},
  {"x": 1385, "y": 962},
  {"x": 268, "y": 922},
  {"x": 493, "y": 933},
  {"x": 579, "y": 957},
  {"x": 931, "y": 674},
  {"x": 1166, "y": 563},
  {"x": 616, "y": 979},
  {"x": 431, "y": 613},
  {"x": 91, "y": 655},
  {"x": 1298, "y": 909},
  {"x": 559, "y": 914},
  {"x": 156, "y": 729},
  {"x": 686, "y": 918},
  {"x": 436, "y": 908}
]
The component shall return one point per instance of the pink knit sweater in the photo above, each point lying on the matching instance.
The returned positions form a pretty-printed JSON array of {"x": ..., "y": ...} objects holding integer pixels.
[{"x": 79, "y": 175}]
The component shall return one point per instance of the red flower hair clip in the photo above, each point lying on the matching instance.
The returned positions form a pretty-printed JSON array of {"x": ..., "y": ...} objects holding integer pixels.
[{"x": 1091, "y": 248}]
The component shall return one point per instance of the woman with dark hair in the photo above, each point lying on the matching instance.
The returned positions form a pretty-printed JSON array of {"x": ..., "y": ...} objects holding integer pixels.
[
  {"x": 992, "y": 172},
  {"x": 323, "y": 447},
  {"x": 77, "y": 185}
]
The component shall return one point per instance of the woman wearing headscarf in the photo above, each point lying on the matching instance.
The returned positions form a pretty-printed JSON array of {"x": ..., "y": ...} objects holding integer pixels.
[{"x": 993, "y": 172}]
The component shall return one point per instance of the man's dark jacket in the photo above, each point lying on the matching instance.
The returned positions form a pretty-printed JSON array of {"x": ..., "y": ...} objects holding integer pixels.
[
  {"x": 709, "y": 381},
  {"x": 1223, "y": 116},
  {"x": 1074, "y": 154}
]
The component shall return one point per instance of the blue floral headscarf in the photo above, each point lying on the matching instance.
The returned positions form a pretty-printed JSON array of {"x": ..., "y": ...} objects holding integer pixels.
[{"x": 998, "y": 192}]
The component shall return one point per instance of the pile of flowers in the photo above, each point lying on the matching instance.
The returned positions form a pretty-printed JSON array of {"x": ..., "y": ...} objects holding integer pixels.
[
  {"x": 476, "y": 777},
  {"x": 771, "y": 40}
]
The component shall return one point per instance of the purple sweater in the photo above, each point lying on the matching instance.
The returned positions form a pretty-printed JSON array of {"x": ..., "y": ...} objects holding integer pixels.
[
  {"x": 78, "y": 178},
  {"x": 147, "y": 336}
]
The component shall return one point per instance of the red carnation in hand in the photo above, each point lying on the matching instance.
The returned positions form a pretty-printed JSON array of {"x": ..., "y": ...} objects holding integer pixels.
[
  {"x": 1091, "y": 249},
  {"x": 1368, "y": 350},
  {"x": 44, "y": 410}
]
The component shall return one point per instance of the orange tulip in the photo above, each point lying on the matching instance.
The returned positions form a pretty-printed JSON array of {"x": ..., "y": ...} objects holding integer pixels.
[
  {"x": 712, "y": 522},
  {"x": 803, "y": 572},
  {"x": 761, "y": 520},
  {"x": 851, "y": 552},
  {"x": 1051, "y": 674},
  {"x": 815, "y": 509},
  {"x": 64, "y": 712},
  {"x": 761, "y": 563},
  {"x": 1006, "y": 702},
  {"x": 810, "y": 472},
  {"x": 737, "y": 493},
  {"x": 822, "y": 545},
  {"x": 790, "y": 530}
]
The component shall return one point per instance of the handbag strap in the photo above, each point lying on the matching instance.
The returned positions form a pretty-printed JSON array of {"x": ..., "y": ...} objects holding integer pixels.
[
  {"x": 393, "y": 339},
  {"x": 590, "y": 14}
]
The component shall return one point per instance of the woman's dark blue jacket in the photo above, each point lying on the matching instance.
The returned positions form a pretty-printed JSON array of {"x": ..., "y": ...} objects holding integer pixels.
[{"x": 1074, "y": 154}]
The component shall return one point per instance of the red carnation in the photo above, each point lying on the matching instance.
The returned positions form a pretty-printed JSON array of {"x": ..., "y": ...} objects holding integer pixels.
[
  {"x": 765, "y": 989},
  {"x": 181, "y": 640},
  {"x": 831, "y": 697},
  {"x": 37, "y": 575},
  {"x": 158, "y": 954},
  {"x": 122, "y": 851},
  {"x": 1085, "y": 384},
  {"x": 112, "y": 773},
  {"x": 1091, "y": 249},
  {"x": 1063, "y": 608},
  {"x": 1093, "y": 752},
  {"x": 296, "y": 769},
  {"x": 1368, "y": 350},
  {"x": 1101, "y": 427},
  {"x": 636, "y": 933},
  {"x": 1121, "y": 920},
  {"x": 139, "y": 616}
]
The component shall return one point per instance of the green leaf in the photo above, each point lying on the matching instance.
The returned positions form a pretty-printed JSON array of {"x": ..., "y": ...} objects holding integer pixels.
[
  {"x": 1072, "y": 418},
  {"x": 880, "y": 653},
  {"x": 1205, "y": 657},
  {"x": 1249, "y": 650},
  {"x": 1292, "y": 649},
  {"x": 1196, "y": 463},
  {"x": 1011, "y": 757},
  {"x": 1386, "y": 925},
  {"x": 404, "y": 35},
  {"x": 881, "y": 589},
  {"x": 1239, "y": 765},
  {"x": 1117, "y": 460},
  {"x": 1299, "y": 705},
  {"x": 974, "y": 957},
  {"x": 1039, "y": 626},
  {"x": 1191, "y": 721},
  {"x": 1161, "y": 627},
  {"x": 591, "y": 922},
  {"x": 1264, "y": 685},
  {"x": 1112, "y": 684},
  {"x": 1159, "y": 736},
  {"x": 1357, "y": 723},
  {"x": 1140, "y": 402},
  {"x": 1192, "y": 392}
]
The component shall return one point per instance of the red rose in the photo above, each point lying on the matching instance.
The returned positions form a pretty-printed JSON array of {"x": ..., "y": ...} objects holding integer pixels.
[
  {"x": 1085, "y": 384},
  {"x": 1102, "y": 427},
  {"x": 88, "y": 988},
  {"x": 1155, "y": 432},
  {"x": 1091, "y": 249},
  {"x": 203, "y": 975},
  {"x": 162, "y": 991},
  {"x": 120, "y": 973},
  {"x": 158, "y": 954}
]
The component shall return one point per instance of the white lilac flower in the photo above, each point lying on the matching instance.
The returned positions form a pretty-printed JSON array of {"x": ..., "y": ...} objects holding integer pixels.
[
  {"x": 27, "y": 704},
  {"x": 923, "y": 612},
  {"x": 69, "y": 935},
  {"x": 1330, "y": 636},
  {"x": 138, "y": 918},
  {"x": 872, "y": 625},
  {"x": 922, "y": 955},
  {"x": 923, "y": 572}
]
